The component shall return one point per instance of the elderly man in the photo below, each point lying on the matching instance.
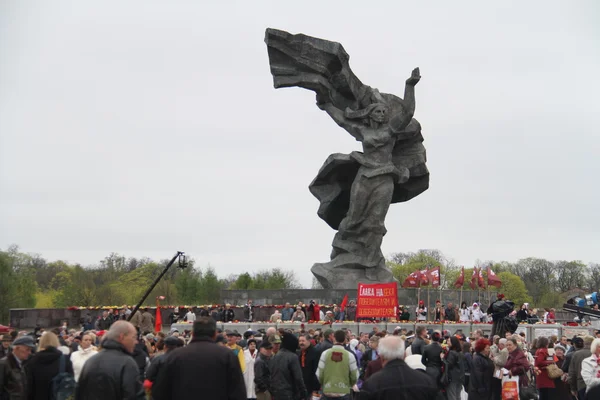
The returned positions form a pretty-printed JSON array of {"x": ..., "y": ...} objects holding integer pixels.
[
  {"x": 309, "y": 361},
  {"x": 12, "y": 373},
  {"x": 397, "y": 381},
  {"x": 112, "y": 373}
]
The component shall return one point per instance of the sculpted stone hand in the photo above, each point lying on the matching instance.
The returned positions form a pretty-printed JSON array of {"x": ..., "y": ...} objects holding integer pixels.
[{"x": 355, "y": 190}]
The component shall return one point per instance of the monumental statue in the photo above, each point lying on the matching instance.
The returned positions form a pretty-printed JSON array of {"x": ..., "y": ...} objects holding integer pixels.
[{"x": 355, "y": 190}]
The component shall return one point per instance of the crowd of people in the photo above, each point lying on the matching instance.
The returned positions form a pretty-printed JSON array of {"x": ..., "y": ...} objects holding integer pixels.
[{"x": 116, "y": 359}]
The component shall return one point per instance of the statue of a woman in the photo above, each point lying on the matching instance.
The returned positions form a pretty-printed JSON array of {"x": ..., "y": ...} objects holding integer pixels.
[
  {"x": 355, "y": 190},
  {"x": 360, "y": 233}
]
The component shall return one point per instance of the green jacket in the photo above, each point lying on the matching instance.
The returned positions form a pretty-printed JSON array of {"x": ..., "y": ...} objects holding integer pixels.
[{"x": 337, "y": 371}]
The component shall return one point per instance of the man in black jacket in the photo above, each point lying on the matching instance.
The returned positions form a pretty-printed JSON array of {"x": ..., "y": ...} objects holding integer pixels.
[
  {"x": 12, "y": 374},
  {"x": 309, "y": 361},
  {"x": 203, "y": 369},
  {"x": 431, "y": 357},
  {"x": 171, "y": 343},
  {"x": 286, "y": 375},
  {"x": 262, "y": 374},
  {"x": 419, "y": 343},
  {"x": 112, "y": 373},
  {"x": 397, "y": 381}
]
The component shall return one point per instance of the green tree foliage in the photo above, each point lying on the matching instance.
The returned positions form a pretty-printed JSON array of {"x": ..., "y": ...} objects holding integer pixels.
[
  {"x": 513, "y": 288},
  {"x": 17, "y": 281}
]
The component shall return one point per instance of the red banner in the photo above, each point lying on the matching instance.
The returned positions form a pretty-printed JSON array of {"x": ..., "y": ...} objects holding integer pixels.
[
  {"x": 434, "y": 277},
  {"x": 480, "y": 280},
  {"x": 377, "y": 300}
]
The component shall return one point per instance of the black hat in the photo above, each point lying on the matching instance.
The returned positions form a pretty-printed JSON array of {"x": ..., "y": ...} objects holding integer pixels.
[
  {"x": 265, "y": 344},
  {"x": 172, "y": 341}
]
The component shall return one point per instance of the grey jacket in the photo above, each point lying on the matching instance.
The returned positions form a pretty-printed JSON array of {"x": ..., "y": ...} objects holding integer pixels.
[
  {"x": 575, "y": 367},
  {"x": 287, "y": 382}
]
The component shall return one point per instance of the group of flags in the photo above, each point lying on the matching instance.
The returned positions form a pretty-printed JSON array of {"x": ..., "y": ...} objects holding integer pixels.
[
  {"x": 477, "y": 279},
  {"x": 423, "y": 278},
  {"x": 432, "y": 276}
]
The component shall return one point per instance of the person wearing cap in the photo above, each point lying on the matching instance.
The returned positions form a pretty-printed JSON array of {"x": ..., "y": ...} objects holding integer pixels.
[
  {"x": 275, "y": 340},
  {"x": 171, "y": 343},
  {"x": 421, "y": 311},
  {"x": 12, "y": 373},
  {"x": 262, "y": 376},
  {"x": 238, "y": 352},
  {"x": 299, "y": 315},
  {"x": 202, "y": 369},
  {"x": 397, "y": 380},
  {"x": 578, "y": 386},
  {"x": 5, "y": 345}
]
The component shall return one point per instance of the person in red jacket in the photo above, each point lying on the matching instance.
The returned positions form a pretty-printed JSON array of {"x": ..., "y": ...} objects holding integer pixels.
[
  {"x": 517, "y": 364},
  {"x": 544, "y": 384}
]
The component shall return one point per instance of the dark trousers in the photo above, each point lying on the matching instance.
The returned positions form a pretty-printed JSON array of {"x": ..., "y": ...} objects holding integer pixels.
[{"x": 581, "y": 394}]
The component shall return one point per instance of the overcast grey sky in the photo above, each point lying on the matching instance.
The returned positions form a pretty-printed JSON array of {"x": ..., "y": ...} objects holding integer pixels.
[{"x": 146, "y": 127}]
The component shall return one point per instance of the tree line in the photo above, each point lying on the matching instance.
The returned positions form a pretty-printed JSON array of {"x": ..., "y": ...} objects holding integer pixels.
[{"x": 28, "y": 280}]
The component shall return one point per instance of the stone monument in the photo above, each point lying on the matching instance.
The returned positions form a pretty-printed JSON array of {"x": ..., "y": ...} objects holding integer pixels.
[{"x": 355, "y": 190}]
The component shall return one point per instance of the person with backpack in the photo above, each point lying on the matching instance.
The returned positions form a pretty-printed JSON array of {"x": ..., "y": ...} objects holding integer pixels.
[{"x": 49, "y": 373}]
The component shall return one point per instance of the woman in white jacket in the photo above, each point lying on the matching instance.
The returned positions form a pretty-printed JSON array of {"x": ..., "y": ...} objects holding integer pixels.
[
  {"x": 464, "y": 313},
  {"x": 590, "y": 368},
  {"x": 84, "y": 352},
  {"x": 250, "y": 355},
  {"x": 476, "y": 313}
]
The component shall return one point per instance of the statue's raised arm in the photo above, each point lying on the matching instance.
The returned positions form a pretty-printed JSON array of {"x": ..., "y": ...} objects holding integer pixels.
[{"x": 403, "y": 117}]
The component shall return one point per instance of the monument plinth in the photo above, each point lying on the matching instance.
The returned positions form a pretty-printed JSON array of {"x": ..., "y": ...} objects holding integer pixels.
[{"x": 354, "y": 190}]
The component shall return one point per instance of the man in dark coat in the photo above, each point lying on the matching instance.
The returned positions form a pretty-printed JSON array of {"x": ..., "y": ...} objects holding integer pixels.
[
  {"x": 431, "y": 357},
  {"x": 397, "y": 381},
  {"x": 262, "y": 374},
  {"x": 309, "y": 361},
  {"x": 286, "y": 375},
  {"x": 12, "y": 373},
  {"x": 171, "y": 343},
  {"x": 105, "y": 321},
  {"x": 419, "y": 343},
  {"x": 249, "y": 311},
  {"x": 112, "y": 373},
  {"x": 203, "y": 369}
]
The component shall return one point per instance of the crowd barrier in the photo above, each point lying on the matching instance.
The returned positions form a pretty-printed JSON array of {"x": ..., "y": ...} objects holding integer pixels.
[{"x": 531, "y": 331}]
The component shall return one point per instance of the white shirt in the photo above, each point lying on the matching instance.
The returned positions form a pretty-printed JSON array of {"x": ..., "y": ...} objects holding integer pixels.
[{"x": 190, "y": 316}]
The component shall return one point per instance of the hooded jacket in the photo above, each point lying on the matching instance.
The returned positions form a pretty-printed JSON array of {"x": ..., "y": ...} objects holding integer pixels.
[
  {"x": 41, "y": 369},
  {"x": 110, "y": 374},
  {"x": 286, "y": 375}
]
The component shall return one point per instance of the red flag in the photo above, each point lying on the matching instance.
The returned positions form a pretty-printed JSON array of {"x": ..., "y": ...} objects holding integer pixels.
[
  {"x": 344, "y": 303},
  {"x": 434, "y": 277},
  {"x": 473, "y": 283},
  {"x": 413, "y": 280},
  {"x": 493, "y": 279},
  {"x": 424, "y": 277},
  {"x": 480, "y": 280},
  {"x": 158, "y": 320},
  {"x": 460, "y": 281}
]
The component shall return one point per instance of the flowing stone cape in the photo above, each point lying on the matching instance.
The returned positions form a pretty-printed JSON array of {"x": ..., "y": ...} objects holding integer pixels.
[{"x": 322, "y": 66}]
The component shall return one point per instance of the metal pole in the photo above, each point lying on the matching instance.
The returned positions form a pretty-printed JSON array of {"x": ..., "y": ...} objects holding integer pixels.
[{"x": 151, "y": 288}]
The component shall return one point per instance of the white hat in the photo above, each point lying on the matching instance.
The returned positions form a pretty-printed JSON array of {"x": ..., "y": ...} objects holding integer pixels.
[{"x": 414, "y": 361}]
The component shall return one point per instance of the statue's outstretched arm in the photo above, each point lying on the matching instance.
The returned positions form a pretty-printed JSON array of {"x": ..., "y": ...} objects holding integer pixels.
[
  {"x": 399, "y": 121},
  {"x": 338, "y": 116}
]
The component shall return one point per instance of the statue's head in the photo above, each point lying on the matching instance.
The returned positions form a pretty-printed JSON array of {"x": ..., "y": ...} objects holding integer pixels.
[
  {"x": 379, "y": 113},
  {"x": 376, "y": 112}
]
